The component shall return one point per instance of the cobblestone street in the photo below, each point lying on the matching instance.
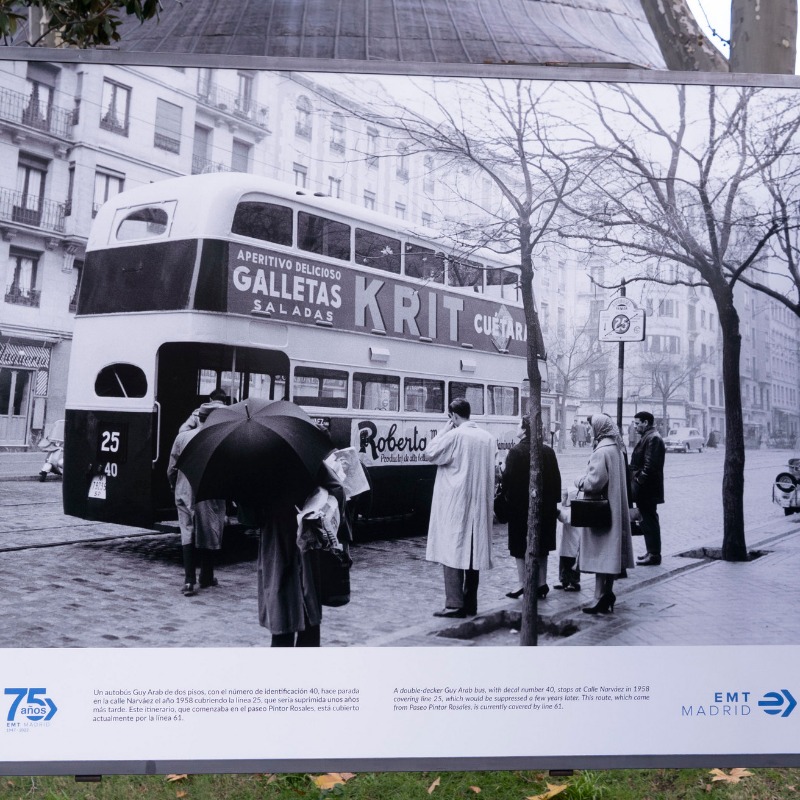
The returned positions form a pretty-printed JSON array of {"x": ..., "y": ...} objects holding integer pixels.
[{"x": 71, "y": 583}]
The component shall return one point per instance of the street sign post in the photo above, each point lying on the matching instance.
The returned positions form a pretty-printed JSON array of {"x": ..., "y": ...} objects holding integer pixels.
[{"x": 623, "y": 321}]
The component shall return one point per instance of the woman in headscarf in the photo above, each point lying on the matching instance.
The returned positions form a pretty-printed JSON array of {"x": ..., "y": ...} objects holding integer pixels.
[{"x": 607, "y": 552}]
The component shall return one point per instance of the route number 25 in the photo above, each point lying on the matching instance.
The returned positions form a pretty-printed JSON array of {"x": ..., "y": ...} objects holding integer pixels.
[{"x": 109, "y": 442}]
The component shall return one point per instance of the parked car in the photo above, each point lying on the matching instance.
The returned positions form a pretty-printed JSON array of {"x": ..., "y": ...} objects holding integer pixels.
[{"x": 682, "y": 440}]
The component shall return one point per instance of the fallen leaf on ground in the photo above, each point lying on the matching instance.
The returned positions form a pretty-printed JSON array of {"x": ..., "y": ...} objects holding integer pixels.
[
  {"x": 434, "y": 785},
  {"x": 173, "y": 778},
  {"x": 552, "y": 790},
  {"x": 734, "y": 776},
  {"x": 181, "y": 793},
  {"x": 476, "y": 789},
  {"x": 331, "y": 779}
]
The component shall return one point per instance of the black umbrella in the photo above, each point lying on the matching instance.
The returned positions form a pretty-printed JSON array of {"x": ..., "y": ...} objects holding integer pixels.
[{"x": 255, "y": 451}]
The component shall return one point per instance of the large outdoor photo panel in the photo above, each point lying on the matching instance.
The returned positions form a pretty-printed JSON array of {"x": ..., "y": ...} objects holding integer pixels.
[{"x": 364, "y": 244}]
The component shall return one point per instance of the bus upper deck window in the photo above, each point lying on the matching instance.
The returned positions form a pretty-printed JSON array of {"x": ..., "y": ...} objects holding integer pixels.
[
  {"x": 120, "y": 380},
  {"x": 265, "y": 221},
  {"x": 503, "y": 283},
  {"x": 377, "y": 251},
  {"x": 144, "y": 223},
  {"x": 324, "y": 236},
  {"x": 467, "y": 274},
  {"x": 424, "y": 263}
]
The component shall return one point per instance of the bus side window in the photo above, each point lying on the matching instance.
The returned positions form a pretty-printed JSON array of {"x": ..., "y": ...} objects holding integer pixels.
[
  {"x": 424, "y": 263},
  {"x": 323, "y": 236},
  {"x": 315, "y": 386},
  {"x": 377, "y": 251},
  {"x": 265, "y": 221},
  {"x": 376, "y": 392},
  {"x": 121, "y": 380},
  {"x": 467, "y": 274},
  {"x": 424, "y": 396},
  {"x": 503, "y": 283},
  {"x": 503, "y": 401},
  {"x": 471, "y": 392}
]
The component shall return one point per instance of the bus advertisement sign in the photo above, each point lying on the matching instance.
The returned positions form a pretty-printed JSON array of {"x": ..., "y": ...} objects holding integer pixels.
[
  {"x": 267, "y": 283},
  {"x": 384, "y": 441}
]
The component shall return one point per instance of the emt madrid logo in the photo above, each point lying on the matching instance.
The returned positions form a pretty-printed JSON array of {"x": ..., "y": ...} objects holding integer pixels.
[
  {"x": 29, "y": 707},
  {"x": 738, "y": 704}
]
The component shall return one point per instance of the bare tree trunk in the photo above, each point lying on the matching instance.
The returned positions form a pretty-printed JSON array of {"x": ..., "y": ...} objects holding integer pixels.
[
  {"x": 528, "y": 634},
  {"x": 682, "y": 42},
  {"x": 763, "y": 36},
  {"x": 734, "y": 547}
]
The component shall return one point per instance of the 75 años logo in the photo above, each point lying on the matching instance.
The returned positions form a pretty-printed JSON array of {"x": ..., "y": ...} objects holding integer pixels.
[{"x": 31, "y": 705}]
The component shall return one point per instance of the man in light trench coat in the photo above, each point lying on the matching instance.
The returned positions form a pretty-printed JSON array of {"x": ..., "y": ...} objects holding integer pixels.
[{"x": 460, "y": 530}]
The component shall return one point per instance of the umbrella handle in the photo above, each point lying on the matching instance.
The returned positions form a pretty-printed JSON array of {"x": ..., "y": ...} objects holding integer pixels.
[{"x": 247, "y": 410}]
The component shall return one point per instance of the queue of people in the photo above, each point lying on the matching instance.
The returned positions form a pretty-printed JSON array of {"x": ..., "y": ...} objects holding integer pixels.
[{"x": 460, "y": 531}]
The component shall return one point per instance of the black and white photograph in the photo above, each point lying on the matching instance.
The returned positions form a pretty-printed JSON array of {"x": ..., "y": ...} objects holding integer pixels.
[{"x": 360, "y": 359}]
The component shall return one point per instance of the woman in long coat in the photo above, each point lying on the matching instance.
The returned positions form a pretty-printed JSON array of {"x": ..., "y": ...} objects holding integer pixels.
[
  {"x": 516, "y": 481},
  {"x": 289, "y": 581},
  {"x": 607, "y": 552}
]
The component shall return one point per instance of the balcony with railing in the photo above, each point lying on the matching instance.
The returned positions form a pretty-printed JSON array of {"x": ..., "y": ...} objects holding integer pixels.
[
  {"x": 31, "y": 210},
  {"x": 202, "y": 166},
  {"x": 22, "y": 297},
  {"x": 24, "y": 109},
  {"x": 225, "y": 100}
]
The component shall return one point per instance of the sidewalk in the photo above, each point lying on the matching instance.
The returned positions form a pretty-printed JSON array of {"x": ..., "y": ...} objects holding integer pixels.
[{"x": 130, "y": 597}]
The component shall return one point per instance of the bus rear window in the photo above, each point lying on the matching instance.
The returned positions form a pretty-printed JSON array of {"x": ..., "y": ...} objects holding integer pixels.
[
  {"x": 323, "y": 236},
  {"x": 121, "y": 380},
  {"x": 314, "y": 386},
  {"x": 471, "y": 392},
  {"x": 421, "y": 262},
  {"x": 503, "y": 401},
  {"x": 424, "y": 395},
  {"x": 377, "y": 251},
  {"x": 265, "y": 221},
  {"x": 376, "y": 392},
  {"x": 144, "y": 223}
]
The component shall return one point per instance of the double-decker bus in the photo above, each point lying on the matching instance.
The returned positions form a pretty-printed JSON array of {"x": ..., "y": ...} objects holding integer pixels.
[{"x": 241, "y": 283}]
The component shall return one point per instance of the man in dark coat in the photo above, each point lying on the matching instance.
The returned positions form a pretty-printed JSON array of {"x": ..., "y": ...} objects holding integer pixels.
[
  {"x": 647, "y": 485},
  {"x": 516, "y": 480}
]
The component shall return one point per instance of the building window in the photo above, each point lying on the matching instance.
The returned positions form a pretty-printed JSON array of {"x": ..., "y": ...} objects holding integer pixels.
[
  {"x": 24, "y": 271},
  {"x": 77, "y": 273},
  {"x": 369, "y": 200},
  {"x": 372, "y": 148},
  {"x": 427, "y": 175},
  {"x": 201, "y": 151},
  {"x": 244, "y": 97},
  {"x": 400, "y": 210},
  {"x": 402, "y": 162},
  {"x": 334, "y": 186},
  {"x": 205, "y": 83},
  {"x": 544, "y": 316},
  {"x": 337, "y": 133},
  {"x": 240, "y": 156},
  {"x": 426, "y": 219},
  {"x": 667, "y": 308},
  {"x": 40, "y": 101},
  {"x": 29, "y": 199},
  {"x": 106, "y": 185},
  {"x": 302, "y": 118},
  {"x": 168, "y": 126},
  {"x": 300, "y": 175},
  {"x": 115, "y": 109}
]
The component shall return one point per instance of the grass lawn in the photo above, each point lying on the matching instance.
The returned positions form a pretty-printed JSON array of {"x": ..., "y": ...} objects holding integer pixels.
[{"x": 649, "y": 784}]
